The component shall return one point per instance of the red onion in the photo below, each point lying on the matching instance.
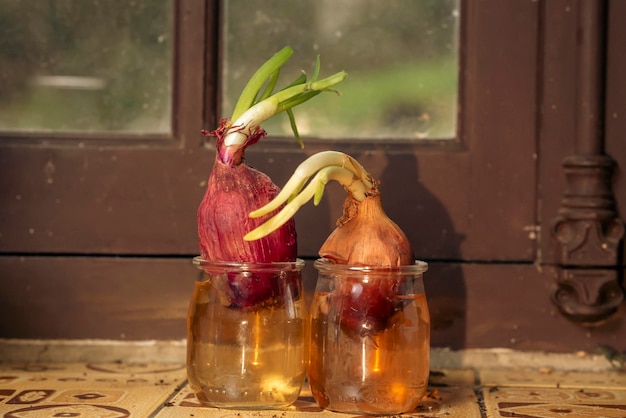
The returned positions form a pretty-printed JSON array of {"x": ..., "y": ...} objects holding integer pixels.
[{"x": 234, "y": 188}]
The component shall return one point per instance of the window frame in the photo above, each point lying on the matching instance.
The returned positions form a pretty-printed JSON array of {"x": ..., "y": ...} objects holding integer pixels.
[
  {"x": 130, "y": 276},
  {"x": 53, "y": 174}
]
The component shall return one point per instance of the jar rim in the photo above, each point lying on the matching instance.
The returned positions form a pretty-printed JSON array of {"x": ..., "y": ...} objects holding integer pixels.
[
  {"x": 327, "y": 265},
  {"x": 202, "y": 264}
]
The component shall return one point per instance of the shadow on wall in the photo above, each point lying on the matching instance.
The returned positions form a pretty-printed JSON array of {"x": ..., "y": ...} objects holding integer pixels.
[{"x": 420, "y": 215}]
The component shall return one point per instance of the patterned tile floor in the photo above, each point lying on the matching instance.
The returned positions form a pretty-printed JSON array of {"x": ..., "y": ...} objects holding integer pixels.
[
  {"x": 548, "y": 394},
  {"x": 87, "y": 389},
  {"x": 117, "y": 389}
]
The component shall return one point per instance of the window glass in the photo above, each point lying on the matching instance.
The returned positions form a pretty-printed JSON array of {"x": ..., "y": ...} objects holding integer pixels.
[
  {"x": 86, "y": 65},
  {"x": 401, "y": 57}
]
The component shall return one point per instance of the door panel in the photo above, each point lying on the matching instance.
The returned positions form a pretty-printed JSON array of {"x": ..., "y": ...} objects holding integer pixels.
[
  {"x": 99, "y": 196},
  {"x": 145, "y": 298},
  {"x": 453, "y": 191},
  {"x": 97, "y": 234},
  {"x": 615, "y": 114},
  {"x": 558, "y": 116},
  {"x": 81, "y": 201}
]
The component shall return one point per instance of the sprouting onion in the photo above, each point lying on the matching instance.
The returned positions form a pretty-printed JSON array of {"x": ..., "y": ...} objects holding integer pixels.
[
  {"x": 234, "y": 188},
  {"x": 364, "y": 236},
  {"x": 257, "y": 103},
  {"x": 382, "y": 242}
]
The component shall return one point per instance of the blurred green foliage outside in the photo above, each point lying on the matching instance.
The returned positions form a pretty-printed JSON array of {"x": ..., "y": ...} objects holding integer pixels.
[
  {"x": 86, "y": 65},
  {"x": 106, "y": 65}
]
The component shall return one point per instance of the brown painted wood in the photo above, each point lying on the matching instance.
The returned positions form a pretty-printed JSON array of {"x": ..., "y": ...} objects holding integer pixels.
[
  {"x": 558, "y": 127},
  {"x": 557, "y": 137},
  {"x": 82, "y": 297},
  {"x": 499, "y": 305},
  {"x": 499, "y": 128},
  {"x": 615, "y": 110},
  {"x": 114, "y": 201},
  {"x": 112, "y": 194},
  {"x": 472, "y": 305},
  {"x": 70, "y": 205},
  {"x": 139, "y": 196}
]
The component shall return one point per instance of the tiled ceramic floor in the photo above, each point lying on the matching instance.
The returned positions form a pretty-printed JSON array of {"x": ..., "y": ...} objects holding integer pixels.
[
  {"x": 448, "y": 401},
  {"x": 159, "y": 390},
  {"x": 548, "y": 394},
  {"x": 87, "y": 389}
]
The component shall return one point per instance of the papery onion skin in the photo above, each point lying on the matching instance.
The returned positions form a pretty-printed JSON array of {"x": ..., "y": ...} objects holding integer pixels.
[
  {"x": 365, "y": 236},
  {"x": 233, "y": 190}
]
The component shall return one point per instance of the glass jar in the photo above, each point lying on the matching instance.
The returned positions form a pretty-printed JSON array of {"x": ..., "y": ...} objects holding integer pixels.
[
  {"x": 370, "y": 338},
  {"x": 247, "y": 334}
]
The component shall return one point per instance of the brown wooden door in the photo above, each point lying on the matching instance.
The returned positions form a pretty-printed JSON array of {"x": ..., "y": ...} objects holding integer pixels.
[{"x": 97, "y": 232}]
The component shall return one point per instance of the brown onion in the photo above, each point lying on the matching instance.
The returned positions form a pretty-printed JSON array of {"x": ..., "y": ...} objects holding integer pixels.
[{"x": 366, "y": 236}]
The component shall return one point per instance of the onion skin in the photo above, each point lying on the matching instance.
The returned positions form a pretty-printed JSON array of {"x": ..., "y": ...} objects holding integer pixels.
[
  {"x": 233, "y": 190},
  {"x": 366, "y": 236}
]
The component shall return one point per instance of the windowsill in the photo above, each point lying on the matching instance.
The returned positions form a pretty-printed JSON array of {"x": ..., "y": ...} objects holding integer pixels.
[{"x": 173, "y": 351}]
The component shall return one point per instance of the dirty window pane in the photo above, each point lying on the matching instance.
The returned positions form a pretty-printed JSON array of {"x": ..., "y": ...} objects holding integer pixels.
[
  {"x": 401, "y": 57},
  {"x": 86, "y": 66}
]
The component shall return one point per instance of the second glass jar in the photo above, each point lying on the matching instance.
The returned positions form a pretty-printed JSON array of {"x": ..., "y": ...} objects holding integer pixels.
[{"x": 370, "y": 338}]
